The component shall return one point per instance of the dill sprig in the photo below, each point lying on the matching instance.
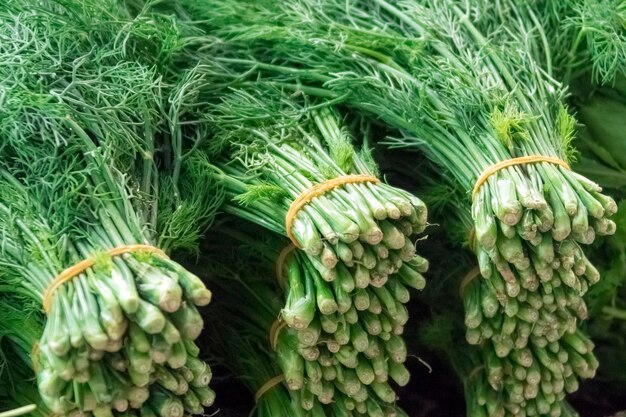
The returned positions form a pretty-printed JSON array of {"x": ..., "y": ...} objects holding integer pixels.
[{"x": 570, "y": 39}]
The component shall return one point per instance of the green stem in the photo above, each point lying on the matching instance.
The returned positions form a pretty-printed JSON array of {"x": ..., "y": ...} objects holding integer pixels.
[
  {"x": 19, "y": 411},
  {"x": 614, "y": 312}
]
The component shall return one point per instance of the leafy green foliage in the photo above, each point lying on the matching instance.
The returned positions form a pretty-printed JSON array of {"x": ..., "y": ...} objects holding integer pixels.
[
  {"x": 566, "y": 128},
  {"x": 508, "y": 123},
  {"x": 261, "y": 191},
  {"x": 188, "y": 210}
]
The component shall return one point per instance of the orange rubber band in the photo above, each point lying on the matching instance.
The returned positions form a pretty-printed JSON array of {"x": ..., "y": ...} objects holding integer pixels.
[
  {"x": 85, "y": 264},
  {"x": 472, "y": 240},
  {"x": 268, "y": 386},
  {"x": 277, "y": 326},
  {"x": 529, "y": 159},
  {"x": 316, "y": 191},
  {"x": 469, "y": 277},
  {"x": 34, "y": 356},
  {"x": 280, "y": 263}
]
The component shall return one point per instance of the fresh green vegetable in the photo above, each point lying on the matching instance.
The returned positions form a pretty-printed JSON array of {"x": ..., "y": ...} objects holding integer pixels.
[
  {"x": 83, "y": 121},
  {"x": 124, "y": 125},
  {"x": 354, "y": 241},
  {"x": 572, "y": 40},
  {"x": 249, "y": 304},
  {"x": 468, "y": 100}
]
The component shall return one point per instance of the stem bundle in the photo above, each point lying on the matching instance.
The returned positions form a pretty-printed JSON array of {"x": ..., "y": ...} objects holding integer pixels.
[
  {"x": 346, "y": 288},
  {"x": 326, "y": 385}
]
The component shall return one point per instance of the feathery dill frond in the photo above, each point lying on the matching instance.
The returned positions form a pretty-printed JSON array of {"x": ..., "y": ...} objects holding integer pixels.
[
  {"x": 599, "y": 26},
  {"x": 566, "y": 128},
  {"x": 509, "y": 124},
  {"x": 185, "y": 214},
  {"x": 261, "y": 191}
]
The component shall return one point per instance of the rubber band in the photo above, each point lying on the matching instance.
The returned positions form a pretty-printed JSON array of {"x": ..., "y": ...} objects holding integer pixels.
[
  {"x": 268, "y": 386},
  {"x": 280, "y": 263},
  {"x": 316, "y": 191},
  {"x": 34, "y": 353},
  {"x": 80, "y": 267},
  {"x": 275, "y": 329},
  {"x": 529, "y": 159},
  {"x": 468, "y": 278},
  {"x": 279, "y": 323},
  {"x": 277, "y": 326},
  {"x": 471, "y": 239},
  {"x": 474, "y": 372}
]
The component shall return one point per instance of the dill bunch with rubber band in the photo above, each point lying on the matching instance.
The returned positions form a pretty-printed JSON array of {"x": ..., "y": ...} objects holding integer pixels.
[
  {"x": 277, "y": 365},
  {"x": 290, "y": 167},
  {"x": 79, "y": 183},
  {"x": 512, "y": 371},
  {"x": 297, "y": 161}
]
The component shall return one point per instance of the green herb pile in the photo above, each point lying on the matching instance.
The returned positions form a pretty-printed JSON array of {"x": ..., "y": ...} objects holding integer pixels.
[
  {"x": 183, "y": 133},
  {"x": 468, "y": 102},
  {"x": 18, "y": 389}
]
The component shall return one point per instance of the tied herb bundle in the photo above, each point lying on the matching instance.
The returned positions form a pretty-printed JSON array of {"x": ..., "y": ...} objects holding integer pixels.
[
  {"x": 346, "y": 289},
  {"x": 517, "y": 368},
  {"x": 285, "y": 150},
  {"x": 469, "y": 101},
  {"x": 331, "y": 384},
  {"x": 79, "y": 178},
  {"x": 583, "y": 44}
]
